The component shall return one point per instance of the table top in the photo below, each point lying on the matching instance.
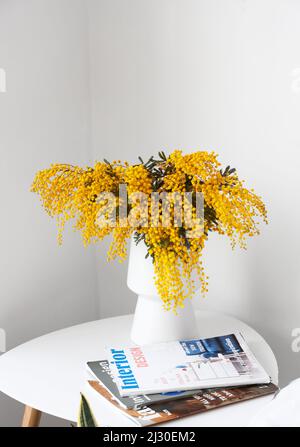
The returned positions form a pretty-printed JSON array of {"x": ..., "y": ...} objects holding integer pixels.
[{"x": 49, "y": 372}]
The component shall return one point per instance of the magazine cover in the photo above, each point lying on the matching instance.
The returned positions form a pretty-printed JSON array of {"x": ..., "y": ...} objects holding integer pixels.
[
  {"x": 185, "y": 365},
  {"x": 198, "y": 403},
  {"x": 101, "y": 371}
]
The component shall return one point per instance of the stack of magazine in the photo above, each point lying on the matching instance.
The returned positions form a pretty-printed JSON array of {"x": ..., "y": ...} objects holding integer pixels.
[{"x": 158, "y": 383}]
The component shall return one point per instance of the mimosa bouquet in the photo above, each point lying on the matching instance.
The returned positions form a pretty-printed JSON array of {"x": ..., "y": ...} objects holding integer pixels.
[{"x": 169, "y": 203}]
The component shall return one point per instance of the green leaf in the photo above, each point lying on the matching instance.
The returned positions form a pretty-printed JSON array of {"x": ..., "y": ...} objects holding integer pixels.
[
  {"x": 85, "y": 417},
  {"x": 162, "y": 155}
]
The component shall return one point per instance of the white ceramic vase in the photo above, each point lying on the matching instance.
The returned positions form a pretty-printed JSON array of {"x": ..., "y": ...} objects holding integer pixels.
[{"x": 152, "y": 323}]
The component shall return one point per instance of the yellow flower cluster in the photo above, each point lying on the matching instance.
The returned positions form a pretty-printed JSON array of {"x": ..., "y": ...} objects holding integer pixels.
[{"x": 70, "y": 192}]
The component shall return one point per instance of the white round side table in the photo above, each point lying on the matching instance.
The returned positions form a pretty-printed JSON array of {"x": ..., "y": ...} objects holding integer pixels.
[{"x": 47, "y": 374}]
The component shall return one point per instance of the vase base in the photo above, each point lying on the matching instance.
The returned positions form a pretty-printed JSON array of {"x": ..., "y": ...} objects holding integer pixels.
[{"x": 153, "y": 324}]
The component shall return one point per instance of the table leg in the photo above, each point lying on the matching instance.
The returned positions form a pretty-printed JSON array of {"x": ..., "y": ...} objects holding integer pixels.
[{"x": 31, "y": 417}]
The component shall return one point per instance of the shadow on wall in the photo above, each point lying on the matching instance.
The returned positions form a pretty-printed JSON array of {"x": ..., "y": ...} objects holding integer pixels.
[
  {"x": 114, "y": 296},
  {"x": 274, "y": 307},
  {"x": 14, "y": 413},
  {"x": 2, "y": 340}
]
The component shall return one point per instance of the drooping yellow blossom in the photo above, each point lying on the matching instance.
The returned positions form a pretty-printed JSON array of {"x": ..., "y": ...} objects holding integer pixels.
[{"x": 175, "y": 245}]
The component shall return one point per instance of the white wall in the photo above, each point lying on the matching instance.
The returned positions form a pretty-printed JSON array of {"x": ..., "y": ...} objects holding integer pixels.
[
  {"x": 218, "y": 75},
  {"x": 44, "y": 117}
]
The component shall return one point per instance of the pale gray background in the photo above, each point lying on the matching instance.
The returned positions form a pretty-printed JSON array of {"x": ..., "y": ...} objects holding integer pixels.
[{"x": 88, "y": 79}]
